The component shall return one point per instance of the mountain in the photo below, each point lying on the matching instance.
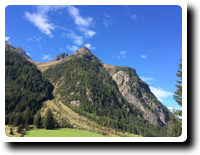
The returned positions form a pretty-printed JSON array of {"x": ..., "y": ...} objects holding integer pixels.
[
  {"x": 59, "y": 57},
  {"x": 25, "y": 88},
  {"x": 18, "y": 50},
  {"x": 137, "y": 92},
  {"x": 112, "y": 96}
]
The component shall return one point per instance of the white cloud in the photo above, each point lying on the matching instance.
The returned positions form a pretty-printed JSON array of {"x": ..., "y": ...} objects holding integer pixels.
[
  {"x": 61, "y": 49},
  {"x": 82, "y": 23},
  {"x": 134, "y": 17},
  {"x": 174, "y": 108},
  {"x": 143, "y": 56},
  {"x": 122, "y": 52},
  {"x": 107, "y": 23},
  {"x": 28, "y": 54},
  {"x": 34, "y": 38},
  {"x": 7, "y": 38},
  {"x": 89, "y": 46},
  {"x": 118, "y": 57},
  {"x": 46, "y": 57},
  {"x": 108, "y": 16},
  {"x": 78, "y": 40},
  {"x": 146, "y": 79},
  {"x": 41, "y": 22},
  {"x": 72, "y": 48},
  {"x": 124, "y": 57},
  {"x": 29, "y": 48},
  {"x": 160, "y": 93}
]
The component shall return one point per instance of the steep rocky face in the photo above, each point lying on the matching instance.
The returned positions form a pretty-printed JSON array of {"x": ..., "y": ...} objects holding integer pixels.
[
  {"x": 18, "y": 50},
  {"x": 59, "y": 57},
  {"x": 137, "y": 92}
]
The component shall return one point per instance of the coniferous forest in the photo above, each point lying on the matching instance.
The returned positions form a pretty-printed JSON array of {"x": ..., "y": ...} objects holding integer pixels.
[{"x": 25, "y": 89}]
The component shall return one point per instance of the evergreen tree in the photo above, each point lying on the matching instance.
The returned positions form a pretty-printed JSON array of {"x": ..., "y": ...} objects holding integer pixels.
[
  {"x": 38, "y": 120},
  {"x": 175, "y": 121},
  {"x": 178, "y": 92},
  {"x": 19, "y": 129},
  {"x": 49, "y": 122},
  {"x": 11, "y": 131}
]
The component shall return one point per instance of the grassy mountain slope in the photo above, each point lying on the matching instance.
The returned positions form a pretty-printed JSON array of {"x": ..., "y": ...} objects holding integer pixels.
[
  {"x": 25, "y": 88},
  {"x": 85, "y": 86}
]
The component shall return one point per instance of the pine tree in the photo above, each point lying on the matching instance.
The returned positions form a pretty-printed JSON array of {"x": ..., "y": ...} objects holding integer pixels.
[
  {"x": 38, "y": 120},
  {"x": 19, "y": 129},
  {"x": 175, "y": 121},
  {"x": 49, "y": 122}
]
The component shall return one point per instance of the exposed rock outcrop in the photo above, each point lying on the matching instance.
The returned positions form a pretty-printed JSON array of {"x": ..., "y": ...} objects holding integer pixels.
[
  {"x": 137, "y": 92},
  {"x": 59, "y": 57},
  {"x": 18, "y": 50}
]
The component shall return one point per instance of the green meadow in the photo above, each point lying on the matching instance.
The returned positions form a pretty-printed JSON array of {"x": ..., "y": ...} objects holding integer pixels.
[{"x": 61, "y": 133}]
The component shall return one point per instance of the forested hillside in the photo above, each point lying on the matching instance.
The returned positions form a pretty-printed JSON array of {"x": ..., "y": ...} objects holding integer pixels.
[
  {"x": 85, "y": 86},
  {"x": 25, "y": 89}
]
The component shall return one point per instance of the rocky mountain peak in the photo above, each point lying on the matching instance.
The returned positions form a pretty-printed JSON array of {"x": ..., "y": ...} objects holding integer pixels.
[
  {"x": 18, "y": 50},
  {"x": 83, "y": 49},
  {"x": 59, "y": 57}
]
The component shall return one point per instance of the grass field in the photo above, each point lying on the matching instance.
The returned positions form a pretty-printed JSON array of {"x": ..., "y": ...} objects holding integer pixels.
[{"x": 61, "y": 133}]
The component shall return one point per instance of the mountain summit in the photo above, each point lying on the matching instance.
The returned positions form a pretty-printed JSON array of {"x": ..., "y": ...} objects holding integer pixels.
[
  {"x": 18, "y": 50},
  {"x": 59, "y": 57}
]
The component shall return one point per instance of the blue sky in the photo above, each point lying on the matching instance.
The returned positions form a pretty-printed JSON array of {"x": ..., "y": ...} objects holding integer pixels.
[{"x": 147, "y": 38}]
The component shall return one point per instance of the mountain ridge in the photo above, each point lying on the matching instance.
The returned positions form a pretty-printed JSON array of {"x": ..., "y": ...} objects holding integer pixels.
[{"x": 109, "y": 95}]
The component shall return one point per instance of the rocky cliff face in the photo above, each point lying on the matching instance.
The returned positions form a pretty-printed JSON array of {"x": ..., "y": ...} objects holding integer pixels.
[
  {"x": 59, "y": 57},
  {"x": 18, "y": 50},
  {"x": 137, "y": 92}
]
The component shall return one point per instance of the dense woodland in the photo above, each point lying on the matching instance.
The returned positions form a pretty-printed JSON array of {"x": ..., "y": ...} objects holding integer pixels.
[
  {"x": 85, "y": 80},
  {"x": 25, "y": 89}
]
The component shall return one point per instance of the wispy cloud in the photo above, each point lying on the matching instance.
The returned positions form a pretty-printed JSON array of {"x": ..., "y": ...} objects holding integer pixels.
[
  {"x": 146, "y": 79},
  {"x": 134, "y": 16},
  {"x": 83, "y": 24},
  {"x": 33, "y": 38},
  {"x": 29, "y": 48},
  {"x": 108, "y": 16},
  {"x": 41, "y": 21},
  {"x": 72, "y": 48},
  {"x": 46, "y": 57},
  {"x": 107, "y": 22},
  {"x": 61, "y": 49},
  {"x": 143, "y": 56},
  {"x": 78, "y": 40},
  {"x": 40, "y": 18},
  {"x": 160, "y": 93},
  {"x": 122, "y": 52},
  {"x": 118, "y": 57},
  {"x": 7, "y": 38}
]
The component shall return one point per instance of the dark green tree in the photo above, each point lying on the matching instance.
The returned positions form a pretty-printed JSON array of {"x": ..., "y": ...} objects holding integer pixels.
[
  {"x": 175, "y": 120},
  {"x": 20, "y": 128},
  {"x": 49, "y": 122},
  {"x": 38, "y": 120},
  {"x": 178, "y": 92},
  {"x": 11, "y": 131}
]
